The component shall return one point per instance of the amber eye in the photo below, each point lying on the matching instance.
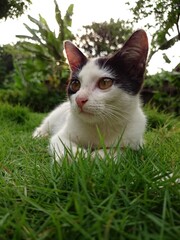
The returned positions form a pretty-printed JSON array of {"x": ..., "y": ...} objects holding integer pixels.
[
  {"x": 75, "y": 85},
  {"x": 105, "y": 83}
]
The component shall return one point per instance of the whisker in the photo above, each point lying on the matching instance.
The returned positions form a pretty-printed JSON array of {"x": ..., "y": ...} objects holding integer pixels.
[
  {"x": 116, "y": 115},
  {"x": 109, "y": 112}
]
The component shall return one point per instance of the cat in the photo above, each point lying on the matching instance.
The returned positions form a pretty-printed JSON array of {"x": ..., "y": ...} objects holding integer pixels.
[{"x": 103, "y": 100}]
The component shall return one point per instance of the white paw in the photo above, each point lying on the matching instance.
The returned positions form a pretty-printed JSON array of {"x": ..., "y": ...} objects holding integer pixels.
[
  {"x": 39, "y": 133},
  {"x": 103, "y": 153},
  {"x": 61, "y": 153}
]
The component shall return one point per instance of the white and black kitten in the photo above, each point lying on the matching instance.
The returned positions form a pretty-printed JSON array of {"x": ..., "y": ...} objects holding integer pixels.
[{"x": 103, "y": 99}]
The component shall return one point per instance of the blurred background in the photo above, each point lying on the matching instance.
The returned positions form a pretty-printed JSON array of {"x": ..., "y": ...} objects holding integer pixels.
[{"x": 34, "y": 71}]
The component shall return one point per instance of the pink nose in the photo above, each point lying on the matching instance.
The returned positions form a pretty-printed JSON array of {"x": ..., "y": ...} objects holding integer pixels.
[{"x": 81, "y": 101}]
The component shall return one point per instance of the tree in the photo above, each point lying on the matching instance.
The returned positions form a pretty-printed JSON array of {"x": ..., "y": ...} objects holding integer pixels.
[
  {"x": 166, "y": 20},
  {"x": 13, "y": 8},
  {"x": 46, "y": 48},
  {"x": 40, "y": 70},
  {"x": 103, "y": 38}
]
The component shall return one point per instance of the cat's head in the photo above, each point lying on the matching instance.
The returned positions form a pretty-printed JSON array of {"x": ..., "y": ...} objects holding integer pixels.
[{"x": 107, "y": 87}]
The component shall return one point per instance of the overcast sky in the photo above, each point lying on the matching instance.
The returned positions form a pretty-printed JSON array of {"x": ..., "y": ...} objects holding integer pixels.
[{"x": 85, "y": 12}]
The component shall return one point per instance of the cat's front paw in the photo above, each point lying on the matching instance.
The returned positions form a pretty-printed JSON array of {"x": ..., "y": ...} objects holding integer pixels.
[
  {"x": 39, "y": 133},
  {"x": 102, "y": 154},
  {"x": 62, "y": 149}
]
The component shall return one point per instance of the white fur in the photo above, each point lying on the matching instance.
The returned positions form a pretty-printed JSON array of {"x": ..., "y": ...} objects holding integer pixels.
[{"x": 113, "y": 113}]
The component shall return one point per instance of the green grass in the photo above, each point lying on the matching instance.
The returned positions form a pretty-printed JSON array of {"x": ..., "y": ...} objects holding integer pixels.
[{"x": 100, "y": 199}]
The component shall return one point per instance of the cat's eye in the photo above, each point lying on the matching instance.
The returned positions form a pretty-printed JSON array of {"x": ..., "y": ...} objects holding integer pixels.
[
  {"x": 75, "y": 85},
  {"x": 105, "y": 83}
]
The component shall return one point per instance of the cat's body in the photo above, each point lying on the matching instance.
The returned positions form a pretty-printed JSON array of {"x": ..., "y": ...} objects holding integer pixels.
[{"x": 103, "y": 101}]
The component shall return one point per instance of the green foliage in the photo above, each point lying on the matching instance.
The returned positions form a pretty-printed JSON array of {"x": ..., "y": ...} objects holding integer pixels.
[
  {"x": 37, "y": 98},
  {"x": 166, "y": 15},
  {"x": 101, "y": 39},
  {"x": 133, "y": 198},
  {"x": 162, "y": 18},
  {"x": 158, "y": 119},
  {"x": 40, "y": 71},
  {"x": 13, "y": 8},
  {"x": 17, "y": 114},
  {"x": 46, "y": 49},
  {"x": 6, "y": 65},
  {"x": 165, "y": 88},
  {"x": 26, "y": 84}
]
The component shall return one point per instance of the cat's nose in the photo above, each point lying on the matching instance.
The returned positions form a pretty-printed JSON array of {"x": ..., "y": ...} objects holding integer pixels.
[{"x": 81, "y": 101}]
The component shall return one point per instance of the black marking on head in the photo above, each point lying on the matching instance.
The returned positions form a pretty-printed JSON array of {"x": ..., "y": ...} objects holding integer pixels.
[
  {"x": 123, "y": 78},
  {"x": 101, "y": 61},
  {"x": 130, "y": 84},
  {"x": 128, "y": 64}
]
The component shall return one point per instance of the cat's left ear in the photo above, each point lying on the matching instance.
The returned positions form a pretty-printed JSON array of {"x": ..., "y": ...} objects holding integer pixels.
[
  {"x": 75, "y": 57},
  {"x": 131, "y": 58}
]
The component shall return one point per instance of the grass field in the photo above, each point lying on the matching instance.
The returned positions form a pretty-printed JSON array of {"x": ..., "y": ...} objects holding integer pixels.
[{"x": 132, "y": 198}]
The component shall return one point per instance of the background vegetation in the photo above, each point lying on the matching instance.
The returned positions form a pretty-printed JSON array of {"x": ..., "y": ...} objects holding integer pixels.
[
  {"x": 13, "y": 8},
  {"x": 166, "y": 19},
  {"x": 34, "y": 72}
]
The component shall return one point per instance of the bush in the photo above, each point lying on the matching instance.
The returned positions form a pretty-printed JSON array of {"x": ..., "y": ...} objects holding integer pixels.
[
  {"x": 6, "y": 65},
  {"x": 17, "y": 114},
  {"x": 158, "y": 119},
  {"x": 37, "y": 99},
  {"x": 162, "y": 90}
]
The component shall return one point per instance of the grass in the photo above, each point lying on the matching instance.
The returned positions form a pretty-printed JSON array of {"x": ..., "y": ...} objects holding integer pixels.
[{"x": 131, "y": 199}]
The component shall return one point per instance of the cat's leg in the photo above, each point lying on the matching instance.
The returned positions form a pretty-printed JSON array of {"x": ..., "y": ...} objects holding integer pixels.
[
  {"x": 43, "y": 130},
  {"x": 53, "y": 122},
  {"x": 46, "y": 127},
  {"x": 112, "y": 153},
  {"x": 61, "y": 147}
]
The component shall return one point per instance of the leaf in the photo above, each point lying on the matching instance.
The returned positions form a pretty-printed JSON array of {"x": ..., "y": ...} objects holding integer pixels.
[
  {"x": 44, "y": 23},
  {"x": 165, "y": 57},
  {"x": 34, "y": 33},
  {"x": 169, "y": 43},
  {"x": 58, "y": 14},
  {"x": 68, "y": 16},
  {"x": 38, "y": 23},
  {"x": 24, "y": 36}
]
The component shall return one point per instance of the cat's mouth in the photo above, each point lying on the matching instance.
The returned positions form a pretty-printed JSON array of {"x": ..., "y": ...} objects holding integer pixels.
[{"x": 85, "y": 112}]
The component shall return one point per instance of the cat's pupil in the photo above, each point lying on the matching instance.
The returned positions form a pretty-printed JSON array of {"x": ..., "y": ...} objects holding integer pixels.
[
  {"x": 75, "y": 85},
  {"x": 105, "y": 83}
]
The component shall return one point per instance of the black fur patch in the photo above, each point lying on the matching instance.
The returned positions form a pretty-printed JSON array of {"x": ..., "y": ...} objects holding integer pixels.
[
  {"x": 126, "y": 76},
  {"x": 128, "y": 64}
]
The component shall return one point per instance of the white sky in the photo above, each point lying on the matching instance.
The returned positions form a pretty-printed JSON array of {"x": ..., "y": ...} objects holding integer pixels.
[{"x": 85, "y": 12}]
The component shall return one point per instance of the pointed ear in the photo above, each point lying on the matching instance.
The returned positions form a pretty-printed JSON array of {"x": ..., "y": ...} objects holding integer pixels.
[
  {"x": 135, "y": 50},
  {"x": 131, "y": 58},
  {"x": 75, "y": 57}
]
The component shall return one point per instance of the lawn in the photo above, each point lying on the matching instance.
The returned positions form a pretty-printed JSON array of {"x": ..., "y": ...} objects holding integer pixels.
[{"x": 136, "y": 197}]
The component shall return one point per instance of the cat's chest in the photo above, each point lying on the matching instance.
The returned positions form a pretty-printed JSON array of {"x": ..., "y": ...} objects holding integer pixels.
[{"x": 93, "y": 134}]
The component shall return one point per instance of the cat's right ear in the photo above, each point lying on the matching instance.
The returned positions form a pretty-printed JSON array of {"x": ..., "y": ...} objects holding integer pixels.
[{"x": 75, "y": 57}]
